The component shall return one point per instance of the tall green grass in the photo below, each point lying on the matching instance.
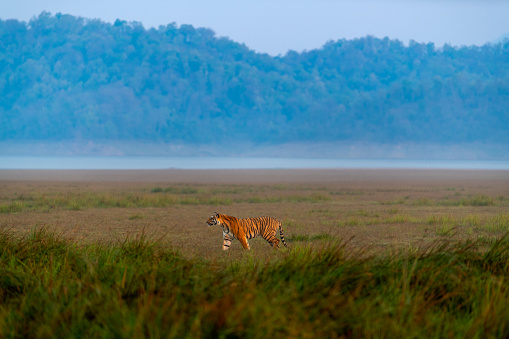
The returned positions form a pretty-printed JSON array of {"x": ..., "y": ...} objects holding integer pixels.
[{"x": 136, "y": 287}]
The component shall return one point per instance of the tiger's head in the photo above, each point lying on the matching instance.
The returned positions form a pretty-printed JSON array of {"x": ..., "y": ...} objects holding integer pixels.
[{"x": 214, "y": 219}]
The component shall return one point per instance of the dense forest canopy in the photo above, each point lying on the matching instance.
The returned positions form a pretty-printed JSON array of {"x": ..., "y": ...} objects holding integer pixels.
[{"x": 69, "y": 78}]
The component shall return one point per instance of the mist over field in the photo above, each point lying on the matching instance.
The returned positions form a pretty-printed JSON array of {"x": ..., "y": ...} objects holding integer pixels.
[{"x": 77, "y": 86}]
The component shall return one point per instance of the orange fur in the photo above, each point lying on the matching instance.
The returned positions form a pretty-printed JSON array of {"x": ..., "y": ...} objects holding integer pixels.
[{"x": 248, "y": 228}]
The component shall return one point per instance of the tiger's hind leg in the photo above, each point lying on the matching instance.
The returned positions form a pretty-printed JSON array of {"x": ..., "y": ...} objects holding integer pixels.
[
  {"x": 275, "y": 243},
  {"x": 272, "y": 240}
]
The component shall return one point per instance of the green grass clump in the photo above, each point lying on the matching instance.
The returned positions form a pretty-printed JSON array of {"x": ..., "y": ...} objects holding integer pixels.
[
  {"x": 138, "y": 287},
  {"x": 496, "y": 224},
  {"x": 174, "y": 190},
  {"x": 423, "y": 202},
  {"x": 440, "y": 220},
  {"x": 12, "y": 207},
  {"x": 353, "y": 221},
  {"x": 310, "y": 237},
  {"x": 477, "y": 200},
  {"x": 314, "y": 198}
]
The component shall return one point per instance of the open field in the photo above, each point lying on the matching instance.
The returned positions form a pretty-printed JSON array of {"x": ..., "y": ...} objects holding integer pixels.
[
  {"x": 382, "y": 210},
  {"x": 390, "y": 253}
]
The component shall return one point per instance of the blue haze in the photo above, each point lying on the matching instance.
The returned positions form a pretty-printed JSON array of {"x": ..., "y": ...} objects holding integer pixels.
[{"x": 138, "y": 163}]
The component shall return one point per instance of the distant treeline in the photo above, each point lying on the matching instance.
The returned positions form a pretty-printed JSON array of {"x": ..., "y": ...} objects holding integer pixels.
[{"x": 69, "y": 78}]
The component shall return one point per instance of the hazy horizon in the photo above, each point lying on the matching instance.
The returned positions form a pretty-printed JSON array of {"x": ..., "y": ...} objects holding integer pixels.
[
  {"x": 274, "y": 27},
  {"x": 211, "y": 163}
]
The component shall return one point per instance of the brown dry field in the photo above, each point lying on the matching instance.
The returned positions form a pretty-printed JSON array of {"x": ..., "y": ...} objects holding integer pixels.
[{"x": 377, "y": 210}]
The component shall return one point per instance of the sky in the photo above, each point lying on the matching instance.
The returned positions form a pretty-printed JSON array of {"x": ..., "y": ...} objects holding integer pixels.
[{"x": 276, "y": 26}]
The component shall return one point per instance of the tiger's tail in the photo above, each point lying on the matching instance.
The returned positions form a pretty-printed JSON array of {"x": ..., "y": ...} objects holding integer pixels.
[{"x": 281, "y": 233}]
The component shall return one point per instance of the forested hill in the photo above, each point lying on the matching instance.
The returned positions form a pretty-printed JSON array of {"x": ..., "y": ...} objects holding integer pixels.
[{"x": 69, "y": 78}]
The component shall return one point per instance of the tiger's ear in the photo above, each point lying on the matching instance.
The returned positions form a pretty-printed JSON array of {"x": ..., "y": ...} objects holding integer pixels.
[{"x": 216, "y": 214}]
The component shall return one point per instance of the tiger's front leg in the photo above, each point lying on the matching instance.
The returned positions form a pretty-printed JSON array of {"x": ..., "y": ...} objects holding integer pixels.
[
  {"x": 245, "y": 244},
  {"x": 227, "y": 240}
]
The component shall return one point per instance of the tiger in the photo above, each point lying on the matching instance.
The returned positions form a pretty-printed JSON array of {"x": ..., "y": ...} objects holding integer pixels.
[{"x": 247, "y": 228}]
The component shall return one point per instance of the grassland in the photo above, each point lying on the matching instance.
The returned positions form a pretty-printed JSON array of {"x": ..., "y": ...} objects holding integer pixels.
[{"x": 420, "y": 254}]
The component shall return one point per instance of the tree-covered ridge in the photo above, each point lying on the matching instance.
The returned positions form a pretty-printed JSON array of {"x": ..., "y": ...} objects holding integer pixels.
[{"x": 69, "y": 78}]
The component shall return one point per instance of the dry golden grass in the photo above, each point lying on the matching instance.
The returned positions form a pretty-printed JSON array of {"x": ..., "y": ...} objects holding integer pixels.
[{"x": 383, "y": 210}]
